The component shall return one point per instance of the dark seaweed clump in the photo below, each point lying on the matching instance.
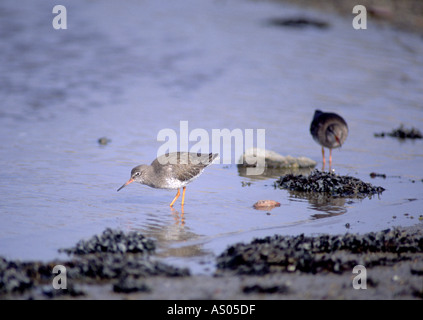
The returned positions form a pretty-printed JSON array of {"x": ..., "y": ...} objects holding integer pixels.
[
  {"x": 117, "y": 266},
  {"x": 114, "y": 255},
  {"x": 298, "y": 23},
  {"x": 13, "y": 277},
  {"x": 18, "y": 276},
  {"x": 127, "y": 270},
  {"x": 257, "y": 288},
  {"x": 335, "y": 253},
  {"x": 328, "y": 182},
  {"x": 113, "y": 241},
  {"x": 402, "y": 133},
  {"x": 130, "y": 284}
]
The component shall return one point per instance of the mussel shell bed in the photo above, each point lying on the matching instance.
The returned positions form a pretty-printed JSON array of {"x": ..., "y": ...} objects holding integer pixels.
[
  {"x": 324, "y": 253},
  {"x": 328, "y": 182}
]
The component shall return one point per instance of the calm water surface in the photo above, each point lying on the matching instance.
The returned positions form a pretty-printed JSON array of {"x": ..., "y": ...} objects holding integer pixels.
[{"x": 127, "y": 71}]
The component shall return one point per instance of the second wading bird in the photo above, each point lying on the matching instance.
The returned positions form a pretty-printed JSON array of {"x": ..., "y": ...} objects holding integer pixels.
[
  {"x": 172, "y": 171},
  {"x": 329, "y": 130}
]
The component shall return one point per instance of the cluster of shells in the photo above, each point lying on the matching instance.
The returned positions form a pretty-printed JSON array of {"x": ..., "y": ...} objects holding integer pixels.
[
  {"x": 335, "y": 253},
  {"x": 113, "y": 241},
  {"x": 122, "y": 258},
  {"x": 328, "y": 182}
]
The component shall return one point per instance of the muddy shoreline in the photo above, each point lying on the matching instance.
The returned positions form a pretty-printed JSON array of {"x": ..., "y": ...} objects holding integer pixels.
[
  {"x": 405, "y": 15},
  {"x": 124, "y": 265},
  {"x": 132, "y": 271},
  {"x": 278, "y": 267}
]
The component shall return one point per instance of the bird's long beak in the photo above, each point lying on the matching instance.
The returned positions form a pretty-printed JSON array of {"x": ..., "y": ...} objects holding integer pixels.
[
  {"x": 337, "y": 140},
  {"x": 127, "y": 182}
]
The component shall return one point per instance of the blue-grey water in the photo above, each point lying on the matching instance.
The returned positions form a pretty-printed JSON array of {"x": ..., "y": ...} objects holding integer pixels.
[{"x": 127, "y": 70}]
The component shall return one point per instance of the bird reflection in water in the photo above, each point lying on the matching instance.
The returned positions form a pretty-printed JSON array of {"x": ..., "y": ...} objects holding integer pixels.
[
  {"x": 179, "y": 218},
  {"x": 326, "y": 205}
]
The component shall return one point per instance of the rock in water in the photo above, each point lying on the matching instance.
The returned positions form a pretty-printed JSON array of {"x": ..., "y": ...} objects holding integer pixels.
[{"x": 256, "y": 157}]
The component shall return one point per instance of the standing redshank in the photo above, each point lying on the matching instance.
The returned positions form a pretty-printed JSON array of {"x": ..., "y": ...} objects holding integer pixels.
[
  {"x": 329, "y": 130},
  {"x": 172, "y": 171}
]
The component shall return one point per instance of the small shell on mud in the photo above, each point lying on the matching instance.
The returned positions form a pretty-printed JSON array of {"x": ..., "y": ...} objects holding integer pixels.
[{"x": 266, "y": 204}]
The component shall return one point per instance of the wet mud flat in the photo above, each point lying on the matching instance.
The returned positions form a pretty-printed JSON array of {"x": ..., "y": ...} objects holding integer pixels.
[
  {"x": 123, "y": 265},
  {"x": 277, "y": 267},
  {"x": 406, "y": 15},
  {"x": 114, "y": 257}
]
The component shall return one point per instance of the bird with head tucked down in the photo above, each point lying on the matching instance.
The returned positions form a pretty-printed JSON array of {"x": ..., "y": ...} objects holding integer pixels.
[{"x": 329, "y": 130}]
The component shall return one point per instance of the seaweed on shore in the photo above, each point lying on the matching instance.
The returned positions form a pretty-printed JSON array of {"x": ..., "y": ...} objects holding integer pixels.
[
  {"x": 324, "y": 253},
  {"x": 401, "y": 133},
  {"x": 112, "y": 256},
  {"x": 113, "y": 241},
  {"x": 328, "y": 182}
]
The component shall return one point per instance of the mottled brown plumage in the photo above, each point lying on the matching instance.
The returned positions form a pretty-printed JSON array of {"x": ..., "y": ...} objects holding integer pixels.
[
  {"x": 171, "y": 171},
  {"x": 329, "y": 130}
]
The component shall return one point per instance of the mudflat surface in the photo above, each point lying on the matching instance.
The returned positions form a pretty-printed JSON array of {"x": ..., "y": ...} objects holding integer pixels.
[
  {"x": 82, "y": 106},
  {"x": 278, "y": 267},
  {"x": 406, "y": 14}
]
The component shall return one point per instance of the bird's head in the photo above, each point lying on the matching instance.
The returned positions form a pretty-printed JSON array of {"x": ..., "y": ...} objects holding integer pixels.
[
  {"x": 137, "y": 175},
  {"x": 335, "y": 134}
]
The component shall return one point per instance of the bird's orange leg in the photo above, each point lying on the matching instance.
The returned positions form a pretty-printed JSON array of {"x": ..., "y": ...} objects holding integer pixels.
[
  {"x": 176, "y": 197},
  {"x": 183, "y": 196},
  {"x": 330, "y": 157},
  {"x": 323, "y": 156}
]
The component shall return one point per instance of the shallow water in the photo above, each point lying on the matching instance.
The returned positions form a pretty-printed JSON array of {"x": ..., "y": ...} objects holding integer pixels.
[{"x": 127, "y": 72}]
